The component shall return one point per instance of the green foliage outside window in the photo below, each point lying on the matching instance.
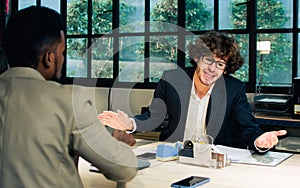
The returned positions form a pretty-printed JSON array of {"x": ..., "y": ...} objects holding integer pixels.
[
  {"x": 102, "y": 16},
  {"x": 166, "y": 11},
  {"x": 162, "y": 47},
  {"x": 77, "y": 24},
  {"x": 270, "y": 14},
  {"x": 77, "y": 17},
  {"x": 196, "y": 15}
]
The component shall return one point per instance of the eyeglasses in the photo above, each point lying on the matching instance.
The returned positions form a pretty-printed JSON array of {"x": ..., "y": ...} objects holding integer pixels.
[{"x": 208, "y": 61}]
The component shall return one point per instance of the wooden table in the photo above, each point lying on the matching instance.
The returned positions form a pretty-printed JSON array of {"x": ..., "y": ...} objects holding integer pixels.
[{"x": 162, "y": 174}]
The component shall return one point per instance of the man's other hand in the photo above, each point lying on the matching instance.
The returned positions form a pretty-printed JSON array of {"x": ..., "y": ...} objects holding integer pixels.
[
  {"x": 124, "y": 137},
  {"x": 269, "y": 139}
]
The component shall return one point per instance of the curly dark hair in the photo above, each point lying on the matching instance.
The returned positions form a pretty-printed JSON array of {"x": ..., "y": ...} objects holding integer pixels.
[{"x": 220, "y": 44}]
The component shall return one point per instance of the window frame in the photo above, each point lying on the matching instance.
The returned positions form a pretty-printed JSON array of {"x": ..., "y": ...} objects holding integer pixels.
[{"x": 250, "y": 29}]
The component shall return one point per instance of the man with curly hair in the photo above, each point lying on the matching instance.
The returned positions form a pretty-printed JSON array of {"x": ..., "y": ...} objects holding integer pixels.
[{"x": 202, "y": 100}]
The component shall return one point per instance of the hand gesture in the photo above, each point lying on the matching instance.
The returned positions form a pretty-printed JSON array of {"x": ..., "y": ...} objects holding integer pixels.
[
  {"x": 116, "y": 120},
  {"x": 269, "y": 139}
]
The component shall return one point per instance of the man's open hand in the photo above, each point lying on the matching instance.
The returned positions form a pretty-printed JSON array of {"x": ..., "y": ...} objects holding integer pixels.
[
  {"x": 116, "y": 120},
  {"x": 269, "y": 139}
]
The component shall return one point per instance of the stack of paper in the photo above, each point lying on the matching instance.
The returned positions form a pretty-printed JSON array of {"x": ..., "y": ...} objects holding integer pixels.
[
  {"x": 244, "y": 156},
  {"x": 234, "y": 154}
]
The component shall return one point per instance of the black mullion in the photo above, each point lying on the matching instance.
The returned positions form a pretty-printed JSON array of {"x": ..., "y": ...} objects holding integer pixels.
[
  {"x": 216, "y": 13},
  {"x": 279, "y": 30},
  {"x": 251, "y": 26},
  {"x": 181, "y": 35},
  {"x": 14, "y": 6},
  {"x": 38, "y": 3},
  {"x": 295, "y": 40},
  {"x": 147, "y": 43},
  {"x": 2, "y": 21},
  {"x": 63, "y": 10},
  {"x": 89, "y": 38},
  {"x": 115, "y": 32},
  {"x": 3, "y": 64}
]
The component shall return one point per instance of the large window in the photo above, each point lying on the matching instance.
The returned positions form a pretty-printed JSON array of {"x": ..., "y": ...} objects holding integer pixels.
[{"x": 133, "y": 41}]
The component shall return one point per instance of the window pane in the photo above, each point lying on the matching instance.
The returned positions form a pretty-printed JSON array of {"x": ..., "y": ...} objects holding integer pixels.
[
  {"x": 274, "y": 59},
  {"x": 76, "y": 61},
  {"x": 232, "y": 15},
  {"x": 163, "y": 55},
  {"x": 25, "y": 3},
  {"x": 102, "y": 58},
  {"x": 163, "y": 11},
  {"x": 77, "y": 17},
  {"x": 188, "y": 40},
  {"x": 132, "y": 15},
  {"x": 53, "y": 4},
  {"x": 274, "y": 14},
  {"x": 102, "y": 16},
  {"x": 199, "y": 15},
  {"x": 243, "y": 73},
  {"x": 131, "y": 59}
]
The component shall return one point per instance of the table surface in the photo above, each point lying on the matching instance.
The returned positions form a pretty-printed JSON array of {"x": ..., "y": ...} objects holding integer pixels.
[{"x": 162, "y": 174}]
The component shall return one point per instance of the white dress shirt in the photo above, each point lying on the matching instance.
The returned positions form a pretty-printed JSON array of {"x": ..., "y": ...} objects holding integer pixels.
[{"x": 195, "y": 128}]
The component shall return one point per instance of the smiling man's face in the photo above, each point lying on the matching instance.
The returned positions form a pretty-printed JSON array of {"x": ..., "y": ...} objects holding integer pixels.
[{"x": 209, "y": 74}]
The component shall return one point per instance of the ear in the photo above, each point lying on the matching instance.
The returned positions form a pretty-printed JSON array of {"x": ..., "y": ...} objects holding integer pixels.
[{"x": 48, "y": 59}]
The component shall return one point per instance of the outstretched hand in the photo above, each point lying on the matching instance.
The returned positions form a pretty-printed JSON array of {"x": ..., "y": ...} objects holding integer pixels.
[
  {"x": 269, "y": 139},
  {"x": 116, "y": 120}
]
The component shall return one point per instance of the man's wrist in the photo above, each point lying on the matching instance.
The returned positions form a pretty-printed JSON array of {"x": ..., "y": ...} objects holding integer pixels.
[
  {"x": 133, "y": 125},
  {"x": 261, "y": 150}
]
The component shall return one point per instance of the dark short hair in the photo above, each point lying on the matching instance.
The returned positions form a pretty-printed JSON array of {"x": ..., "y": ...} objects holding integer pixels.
[
  {"x": 28, "y": 32},
  {"x": 218, "y": 43}
]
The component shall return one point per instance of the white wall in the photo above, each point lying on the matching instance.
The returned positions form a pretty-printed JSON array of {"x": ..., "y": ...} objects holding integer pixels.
[
  {"x": 128, "y": 100},
  {"x": 131, "y": 100}
]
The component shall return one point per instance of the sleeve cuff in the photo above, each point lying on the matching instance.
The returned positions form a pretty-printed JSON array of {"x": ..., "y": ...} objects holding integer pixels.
[
  {"x": 261, "y": 150},
  {"x": 134, "y": 126}
]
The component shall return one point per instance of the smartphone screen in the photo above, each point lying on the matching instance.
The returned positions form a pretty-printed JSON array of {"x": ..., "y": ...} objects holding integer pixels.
[{"x": 192, "y": 181}]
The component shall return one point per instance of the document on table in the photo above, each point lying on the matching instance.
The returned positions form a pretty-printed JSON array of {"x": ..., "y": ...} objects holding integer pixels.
[
  {"x": 234, "y": 154},
  {"x": 245, "y": 156},
  {"x": 270, "y": 158},
  {"x": 143, "y": 150}
]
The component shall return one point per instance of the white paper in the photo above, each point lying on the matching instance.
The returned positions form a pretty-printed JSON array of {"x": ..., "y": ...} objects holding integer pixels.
[
  {"x": 234, "y": 154},
  {"x": 142, "y": 150},
  {"x": 245, "y": 156},
  {"x": 268, "y": 159}
]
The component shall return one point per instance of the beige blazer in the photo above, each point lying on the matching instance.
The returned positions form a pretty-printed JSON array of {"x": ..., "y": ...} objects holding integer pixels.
[{"x": 45, "y": 126}]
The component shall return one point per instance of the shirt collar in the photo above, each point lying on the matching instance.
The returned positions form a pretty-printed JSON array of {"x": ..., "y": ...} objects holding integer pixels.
[
  {"x": 25, "y": 72},
  {"x": 193, "y": 92}
]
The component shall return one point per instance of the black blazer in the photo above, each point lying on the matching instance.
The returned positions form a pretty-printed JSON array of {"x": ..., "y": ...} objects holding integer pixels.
[{"x": 229, "y": 118}]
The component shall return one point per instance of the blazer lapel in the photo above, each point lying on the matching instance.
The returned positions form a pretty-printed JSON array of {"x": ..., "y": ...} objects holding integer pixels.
[
  {"x": 182, "y": 83},
  {"x": 216, "y": 108}
]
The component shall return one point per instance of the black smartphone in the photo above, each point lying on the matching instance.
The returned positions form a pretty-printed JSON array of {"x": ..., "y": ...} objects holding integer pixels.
[{"x": 190, "y": 182}]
